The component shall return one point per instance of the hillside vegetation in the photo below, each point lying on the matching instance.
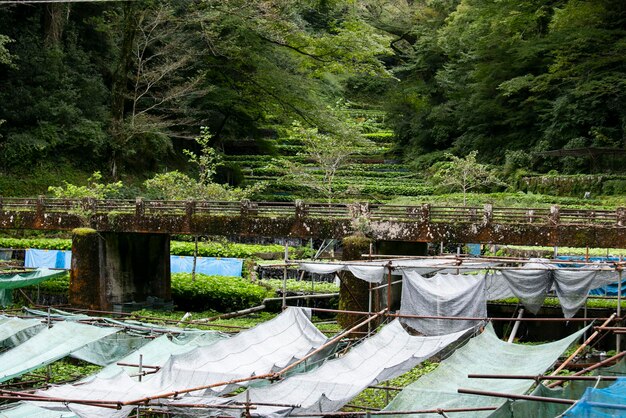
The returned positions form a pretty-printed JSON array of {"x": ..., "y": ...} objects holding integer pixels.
[{"x": 330, "y": 100}]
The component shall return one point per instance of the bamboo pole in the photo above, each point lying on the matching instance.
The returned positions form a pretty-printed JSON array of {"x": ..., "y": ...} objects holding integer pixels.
[{"x": 582, "y": 346}]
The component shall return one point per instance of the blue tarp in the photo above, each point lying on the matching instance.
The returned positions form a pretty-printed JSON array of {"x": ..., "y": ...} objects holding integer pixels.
[
  {"x": 52, "y": 259},
  {"x": 474, "y": 249},
  {"x": 212, "y": 266},
  {"x": 207, "y": 265},
  {"x": 599, "y": 403}
]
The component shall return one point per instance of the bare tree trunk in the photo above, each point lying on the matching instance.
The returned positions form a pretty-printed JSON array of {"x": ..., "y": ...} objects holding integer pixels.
[
  {"x": 55, "y": 18},
  {"x": 119, "y": 89}
]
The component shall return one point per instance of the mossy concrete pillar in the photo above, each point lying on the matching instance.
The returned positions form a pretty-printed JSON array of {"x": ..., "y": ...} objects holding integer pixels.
[
  {"x": 116, "y": 268},
  {"x": 86, "y": 289},
  {"x": 353, "y": 292}
]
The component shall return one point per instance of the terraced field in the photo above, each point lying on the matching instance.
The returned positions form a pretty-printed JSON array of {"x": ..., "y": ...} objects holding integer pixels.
[{"x": 374, "y": 173}]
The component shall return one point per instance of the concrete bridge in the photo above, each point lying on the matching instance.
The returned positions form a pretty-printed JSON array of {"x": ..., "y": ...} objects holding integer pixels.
[
  {"x": 121, "y": 247},
  {"x": 426, "y": 223}
]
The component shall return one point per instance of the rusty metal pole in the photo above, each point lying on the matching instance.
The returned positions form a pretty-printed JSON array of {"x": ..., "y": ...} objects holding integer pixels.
[
  {"x": 389, "y": 287},
  {"x": 285, "y": 277},
  {"x": 618, "y": 337},
  {"x": 330, "y": 342},
  {"x": 195, "y": 258},
  {"x": 369, "y": 295},
  {"x": 582, "y": 346}
]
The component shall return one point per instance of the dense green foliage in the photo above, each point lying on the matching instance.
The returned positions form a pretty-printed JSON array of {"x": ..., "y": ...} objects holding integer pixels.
[
  {"x": 205, "y": 249},
  {"x": 304, "y": 286},
  {"x": 316, "y": 99},
  {"x": 39, "y": 243},
  {"x": 510, "y": 75},
  {"x": 220, "y": 293}
]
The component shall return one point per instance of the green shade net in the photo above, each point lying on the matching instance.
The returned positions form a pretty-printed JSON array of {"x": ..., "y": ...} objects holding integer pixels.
[
  {"x": 48, "y": 346},
  {"x": 58, "y": 314},
  {"x": 484, "y": 354},
  {"x": 16, "y": 281},
  {"x": 24, "y": 410},
  {"x": 110, "y": 348},
  {"x": 159, "y": 350},
  {"x": 14, "y": 331},
  {"x": 155, "y": 353},
  {"x": 573, "y": 390}
]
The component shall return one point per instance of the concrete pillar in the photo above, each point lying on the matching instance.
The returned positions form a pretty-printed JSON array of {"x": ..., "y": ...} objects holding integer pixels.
[
  {"x": 115, "y": 268},
  {"x": 353, "y": 292},
  {"x": 86, "y": 289}
]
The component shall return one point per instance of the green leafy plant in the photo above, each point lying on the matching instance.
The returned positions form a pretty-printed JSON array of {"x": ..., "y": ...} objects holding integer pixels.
[
  {"x": 464, "y": 174},
  {"x": 94, "y": 189},
  {"x": 220, "y": 293},
  {"x": 302, "y": 286}
]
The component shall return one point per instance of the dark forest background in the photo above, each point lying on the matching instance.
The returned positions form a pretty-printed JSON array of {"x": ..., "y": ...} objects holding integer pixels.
[{"x": 124, "y": 87}]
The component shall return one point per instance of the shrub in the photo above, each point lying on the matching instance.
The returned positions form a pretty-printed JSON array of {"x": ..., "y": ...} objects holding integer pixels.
[
  {"x": 220, "y": 293},
  {"x": 40, "y": 243}
]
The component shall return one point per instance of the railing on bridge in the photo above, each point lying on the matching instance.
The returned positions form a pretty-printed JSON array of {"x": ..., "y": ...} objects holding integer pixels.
[{"x": 424, "y": 213}]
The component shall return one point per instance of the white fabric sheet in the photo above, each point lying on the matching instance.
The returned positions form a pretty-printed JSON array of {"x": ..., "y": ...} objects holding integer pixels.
[
  {"x": 460, "y": 295},
  {"x": 376, "y": 271},
  {"x": 49, "y": 345},
  {"x": 14, "y": 331},
  {"x": 262, "y": 349},
  {"x": 388, "y": 354}
]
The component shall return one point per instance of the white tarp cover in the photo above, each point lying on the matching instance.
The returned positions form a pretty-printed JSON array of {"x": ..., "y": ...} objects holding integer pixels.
[
  {"x": 461, "y": 295},
  {"x": 14, "y": 331},
  {"x": 24, "y": 410},
  {"x": 485, "y": 354},
  {"x": 110, "y": 349},
  {"x": 388, "y": 354},
  {"x": 572, "y": 287},
  {"x": 155, "y": 353},
  {"x": 532, "y": 283},
  {"x": 159, "y": 350},
  {"x": 269, "y": 346},
  {"x": 47, "y": 346},
  {"x": 376, "y": 271},
  {"x": 370, "y": 272}
]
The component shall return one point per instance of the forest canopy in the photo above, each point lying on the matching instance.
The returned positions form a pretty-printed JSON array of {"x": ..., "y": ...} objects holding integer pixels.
[{"x": 124, "y": 87}]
